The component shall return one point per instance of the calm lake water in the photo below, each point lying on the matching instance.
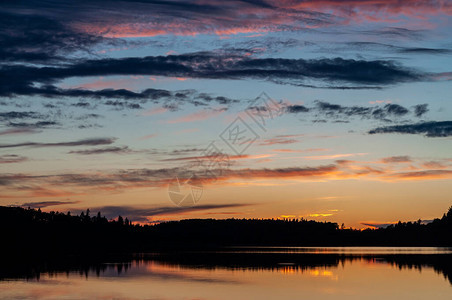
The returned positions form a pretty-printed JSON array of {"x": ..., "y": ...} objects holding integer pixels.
[{"x": 240, "y": 273}]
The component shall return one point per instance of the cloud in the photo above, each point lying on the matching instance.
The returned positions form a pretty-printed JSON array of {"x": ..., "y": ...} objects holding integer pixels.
[
  {"x": 283, "y": 172},
  {"x": 86, "y": 142},
  {"x": 300, "y": 151},
  {"x": 374, "y": 46},
  {"x": 149, "y": 136},
  {"x": 113, "y": 150},
  {"x": 377, "y": 224},
  {"x": 424, "y": 50},
  {"x": 316, "y": 215},
  {"x": 66, "y": 32},
  {"x": 198, "y": 116},
  {"x": 32, "y": 126},
  {"x": 211, "y": 157},
  {"x": 389, "y": 169},
  {"x": 22, "y": 32},
  {"x": 12, "y": 158},
  {"x": 47, "y": 203},
  {"x": 397, "y": 159},
  {"x": 296, "y": 109},
  {"x": 436, "y": 164},
  {"x": 422, "y": 175},
  {"x": 420, "y": 110},
  {"x": 142, "y": 214},
  {"x": 332, "y": 72},
  {"x": 429, "y": 129},
  {"x": 280, "y": 140},
  {"x": 19, "y": 115},
  {"x": 333, "y": 156},
  {"x": 152, "y": 18},
  {"x": 338, "y": 111},
  {"x": 323, "y": 111},
  {"x": 15, "y": 131}
]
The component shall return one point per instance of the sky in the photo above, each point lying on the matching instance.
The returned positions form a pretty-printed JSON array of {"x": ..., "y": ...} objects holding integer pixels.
[{"x": 326, "y": 110}]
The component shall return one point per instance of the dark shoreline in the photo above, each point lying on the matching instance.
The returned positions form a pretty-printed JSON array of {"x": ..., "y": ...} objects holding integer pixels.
[{"x": 30, "y": 232}]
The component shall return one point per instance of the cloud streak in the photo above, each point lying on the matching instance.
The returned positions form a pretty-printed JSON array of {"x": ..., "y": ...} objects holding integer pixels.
[
  {"x": 12, "y": 158},
  {"x": 143, "y": 214},
  {"x": 44, "y": 204},
  {"x": 85, "y": 142},
  {"x": 107, "y": 150},
  {"x": 387, "y": 112},
  {"x": 429, "y": 129},
  {"x": 334, "y": 72}
]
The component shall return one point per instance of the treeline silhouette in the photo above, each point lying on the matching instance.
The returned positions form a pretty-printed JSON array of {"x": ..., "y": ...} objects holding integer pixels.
[{"x": 32, "y": 231}]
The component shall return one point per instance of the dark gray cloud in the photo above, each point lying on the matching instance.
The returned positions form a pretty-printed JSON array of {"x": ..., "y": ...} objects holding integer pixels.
[
  {"x": 333, "y": 72},
  {"x": 22, "y": 32},
  {"x": 373, "y": 46},
  {"x": 141, "y": 214},
  {"x": 377, "y": 225},
  {"x": 33, "y": 126},
  {"x": 397, "y": 32},
  {"x": 421, "y": 50},
  {"x": 47, "y": 203},
  {"x": 21, "y": 119},
  {"x": 86, "y": 142},
  {"x": 388, "y": 112},
  {"x": 429, "y": 129},
  {"x": 113, "y": 150},
  {"x": 47, "y": 32},
  {"x": 296, "y": 109},
  {"x": 123, "y": 104},
  {"x": 19, "y": 115},
  {"x": 397, "y": 159},
  {"x": 420, "y": 110}
]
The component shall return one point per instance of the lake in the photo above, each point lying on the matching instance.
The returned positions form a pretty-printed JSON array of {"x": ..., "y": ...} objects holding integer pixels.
[{"x": 238, "y": 273}]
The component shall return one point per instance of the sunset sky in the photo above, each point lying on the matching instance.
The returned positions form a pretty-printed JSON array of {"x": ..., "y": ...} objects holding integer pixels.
[{"x": 103, "y": 105}]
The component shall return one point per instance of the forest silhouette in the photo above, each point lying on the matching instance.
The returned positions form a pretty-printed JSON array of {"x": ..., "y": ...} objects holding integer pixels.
[{"x": 33, "y": 232}]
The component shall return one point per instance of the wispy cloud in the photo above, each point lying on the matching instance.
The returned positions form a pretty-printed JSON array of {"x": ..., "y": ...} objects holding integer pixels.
[
  {"x": 146, "y": 213},
  {"x": 12, "y": 158},
  {"x": 15, "y": 131},
  {"x": 429, "y": 129},
  {"x": 331, "y": 111},
  {"x": 397, "y": 159},
  {"x": 43, "y": 204},
  {"x": 333, "y": 156},
  {"x": 86, "y": 142},
  {"x": 107, "y": 150},
  {"x": 197, "y": 116}
]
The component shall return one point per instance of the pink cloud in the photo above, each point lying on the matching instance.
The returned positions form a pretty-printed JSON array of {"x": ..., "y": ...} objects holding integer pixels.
[
  {"x": 154, "y": 111},
  {"x": 149, "y": 136},
  {"x": 245, "y": 18},
  {"x": 198, "y": 116}
]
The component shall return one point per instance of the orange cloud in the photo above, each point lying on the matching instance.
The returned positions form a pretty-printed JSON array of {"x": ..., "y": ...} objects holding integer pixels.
[
  {"x": 333, "y": 156},
  {"x": 316, "y": 215},
  {"x": 422, "y": 175}
]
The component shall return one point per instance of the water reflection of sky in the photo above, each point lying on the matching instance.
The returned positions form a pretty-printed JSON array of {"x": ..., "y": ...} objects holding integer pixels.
[{"x": 214, "y": 276}]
